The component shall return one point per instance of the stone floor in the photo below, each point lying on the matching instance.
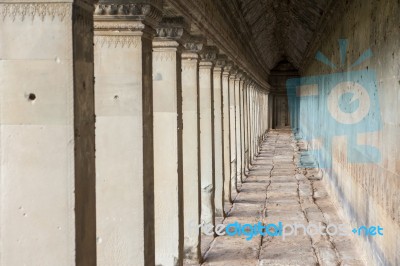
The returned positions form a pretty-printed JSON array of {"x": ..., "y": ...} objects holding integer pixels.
[{"x": 275, "y": 190}]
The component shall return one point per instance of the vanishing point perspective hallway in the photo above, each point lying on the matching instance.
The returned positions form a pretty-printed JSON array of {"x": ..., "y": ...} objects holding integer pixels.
[
  {"x": 277, "y": 190},
  {"x": 199, "y": 132}
]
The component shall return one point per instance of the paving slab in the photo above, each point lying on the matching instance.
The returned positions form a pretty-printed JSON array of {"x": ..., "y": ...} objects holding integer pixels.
[{"x": 275, "y": 191}]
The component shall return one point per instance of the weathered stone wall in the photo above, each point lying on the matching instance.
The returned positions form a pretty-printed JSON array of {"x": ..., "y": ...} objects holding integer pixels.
[
  {"x": 369, "y": 192},
  {"x": 47, "y": 172}
]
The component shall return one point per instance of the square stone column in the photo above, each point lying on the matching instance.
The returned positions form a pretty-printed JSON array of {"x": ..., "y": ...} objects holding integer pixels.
[
  {"x": 168, "y": 165},
  {"x": 47, "y": 133},
  {"x": 249, "y": 123},
  {"x": 257, "y": 121},
  {"x": 245, "y": 127},
  {"x": 218, "y": 137},
  {"x": 238, "y": 84},
  {"x": 252, "y": 125},
  {"x": 191, "y": 151},
  {"x": 226, "y": 132},
  {"x": 124, "y": 131},
  {"x": 208, "y": 55},
  {"x": 232, "y": 122},
  {"x": 255, "y": 140},
  {"x": 242, "y": 128}
]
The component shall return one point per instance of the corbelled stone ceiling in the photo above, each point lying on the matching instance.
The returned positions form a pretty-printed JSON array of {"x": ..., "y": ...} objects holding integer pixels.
[
  {"x": 282, "y": 29},
  {"x": 258, "y": 33}
]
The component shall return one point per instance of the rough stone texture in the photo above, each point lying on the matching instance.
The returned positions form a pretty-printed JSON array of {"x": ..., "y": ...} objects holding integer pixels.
[
  {"x": 283, "y": 194},
  {"x": 369, "y": 193}
]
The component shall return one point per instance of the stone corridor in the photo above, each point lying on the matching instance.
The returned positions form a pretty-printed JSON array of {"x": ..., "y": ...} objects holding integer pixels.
[
  {"x": 276, "y": 190},
  {"x": 124, "y": 124}
]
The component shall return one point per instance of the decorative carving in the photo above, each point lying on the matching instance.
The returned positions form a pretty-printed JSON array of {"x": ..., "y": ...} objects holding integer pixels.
[
  {"x": 170, "y": 33},
  {"x": 172, "y": 28},
  {"x": 221, "y": 61},
  {"x": 194, "y": 44},
  {"x": 193, "y": 47},
  {"x": 228, "y": 67},
  {"x": 239, "y": 74},
  {"x": 189, "y": 60},
  {"x": 209, "y": 53},
  {"x": 149, "y": 11},
  {"x": 117, "y": 41},
  {"x": 233, "y": 72},
  {"x": 111, "y": 25},
  {"x": 141, "y": 8},
  {"x": 33, "y": 10},
  {"x": 164, "y": 55},
  {"x": 190, "y": 56}
]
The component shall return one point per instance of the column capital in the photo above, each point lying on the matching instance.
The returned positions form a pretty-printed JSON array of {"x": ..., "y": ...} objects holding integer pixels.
[
  {"x": 220, "y": 62},
  {"x": 239, "y": 75},
  {"x": 227, "y": 68},
  {"x": 123, "y": 15},
  {"x": 209, "y": 53},
  {"x": 244, "y": 77},
  {"x": 190, "y": 56},
  {"x": 233, "y": 72},
  {"x": 173, "y": 28},
  {"x": 194, "y": 44}
]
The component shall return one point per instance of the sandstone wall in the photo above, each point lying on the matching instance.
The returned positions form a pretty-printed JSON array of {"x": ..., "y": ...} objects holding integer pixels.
[{"x": 369, "y": 192}]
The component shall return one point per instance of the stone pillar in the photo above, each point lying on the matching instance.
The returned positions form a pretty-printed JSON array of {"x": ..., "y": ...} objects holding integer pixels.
[
  {"x": 242, "y": 128},
  {"x": 47, "y": 134},
  {"x": 218, "y": 137},
  {"x": 124, "y": 132},
  {"x": 245, "y": 127},
  {"x": 238, "y": 84},
  {"x": 257, "y": 122},
  {"x": 265, "y": 105},
  {"x": 168, "y": 169},
  {"x": 232, "y": 122},
  {"x": 250, "y": 122},
  {"x": 261, "y": 101},
  {"x": 271, "y": 111},
  {"x": 253, "y": 127},
  {"x": 226, "y": 132},
  {"x": 208, "y": 56},
  {"x": 190, "y": 146}
]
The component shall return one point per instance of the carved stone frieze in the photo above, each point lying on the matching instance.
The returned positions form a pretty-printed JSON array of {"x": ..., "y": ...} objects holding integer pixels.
[
  {"x": 32, "y": 11},
  {"x": 116, "y": 41},
  {"x": 164, "y": 50},
  {"x": 118, "y": 12}
]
